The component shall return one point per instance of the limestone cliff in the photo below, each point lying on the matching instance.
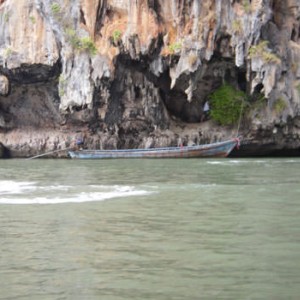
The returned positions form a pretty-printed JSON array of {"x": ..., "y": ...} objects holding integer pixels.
[{"x": 136, "y": 73}]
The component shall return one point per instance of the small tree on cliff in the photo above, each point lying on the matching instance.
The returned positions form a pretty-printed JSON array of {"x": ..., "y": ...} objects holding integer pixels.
[{"x": 226, "y": 104}]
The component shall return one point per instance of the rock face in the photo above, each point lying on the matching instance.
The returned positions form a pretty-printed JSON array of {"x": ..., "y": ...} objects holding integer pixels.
[
  {"x": 4, "y": 85},
  {"x": 124, "y": 74}
]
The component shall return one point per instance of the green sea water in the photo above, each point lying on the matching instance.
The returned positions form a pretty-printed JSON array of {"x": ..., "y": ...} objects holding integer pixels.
[{"x": 150, "y": 229}]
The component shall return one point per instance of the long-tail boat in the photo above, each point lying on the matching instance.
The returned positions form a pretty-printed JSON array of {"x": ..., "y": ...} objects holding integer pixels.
[{"x": 219, "y": 149}]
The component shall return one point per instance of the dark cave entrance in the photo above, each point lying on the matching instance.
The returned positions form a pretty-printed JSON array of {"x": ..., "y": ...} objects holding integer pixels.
[{"x": 205, "y": 81}]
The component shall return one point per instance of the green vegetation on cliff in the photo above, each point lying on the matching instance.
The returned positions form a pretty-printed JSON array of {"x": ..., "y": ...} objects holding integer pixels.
[
  {"x": 226, "y": 104},
  {"x": 116, "y": 35},
  {"x": 261, "y": 50},
  {"x": 81, "y": 43}
]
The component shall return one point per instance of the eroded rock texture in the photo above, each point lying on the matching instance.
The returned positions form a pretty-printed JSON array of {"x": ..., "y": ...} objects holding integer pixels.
[{"x": 125, "y": 73}]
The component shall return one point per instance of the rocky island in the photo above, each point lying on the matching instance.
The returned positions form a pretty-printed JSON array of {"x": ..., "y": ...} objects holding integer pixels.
[{"x": 137, "y": 74}]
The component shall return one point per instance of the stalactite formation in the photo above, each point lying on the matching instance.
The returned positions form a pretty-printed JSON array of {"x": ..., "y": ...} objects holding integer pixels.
[{"x": 129, "y": 74}]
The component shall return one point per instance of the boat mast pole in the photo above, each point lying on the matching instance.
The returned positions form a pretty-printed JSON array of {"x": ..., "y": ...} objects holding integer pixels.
[
  {"x": 240, "y": 119},
  {"x": 51, "y": 152}
]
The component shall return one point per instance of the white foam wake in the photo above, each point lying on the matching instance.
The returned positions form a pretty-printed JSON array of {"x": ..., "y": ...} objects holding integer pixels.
[
  {"x": 29, "y": 193},
  {"x": 14, "y": 187},
  {"x": 228, "y": 162}
]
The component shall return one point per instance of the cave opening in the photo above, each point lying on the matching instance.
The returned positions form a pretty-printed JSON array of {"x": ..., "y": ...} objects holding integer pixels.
[
  {"x": 203, "y": 82},
  {"x": 135, "y": 96},
  {"x": 176, "y": 100},
  {"x": 31, "y": 74},
  {"x": 258, "y": 88},
  {"x": 241, "y": 79}
]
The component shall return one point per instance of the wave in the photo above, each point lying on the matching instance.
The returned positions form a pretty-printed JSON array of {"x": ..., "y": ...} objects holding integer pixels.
[
  {"x": 31, "y": 193},
  {"x": 229, "y": 162},
  {"x": 14, "y": 187}
]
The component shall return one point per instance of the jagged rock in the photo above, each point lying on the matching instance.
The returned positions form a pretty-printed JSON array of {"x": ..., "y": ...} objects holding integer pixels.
[
  {"x": 26, "y": 39},
  {"x": 124, "y": 72},
  {"x": 2, "y": 150},
  {"x": 4, "y": 85}
]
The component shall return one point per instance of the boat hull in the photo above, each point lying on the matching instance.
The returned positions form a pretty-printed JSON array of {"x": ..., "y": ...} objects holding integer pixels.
[{"x": 220, "y": 149}]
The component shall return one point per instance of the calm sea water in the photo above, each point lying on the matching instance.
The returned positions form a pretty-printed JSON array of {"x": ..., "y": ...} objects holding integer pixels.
[{"x": 150, "y": 229}]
